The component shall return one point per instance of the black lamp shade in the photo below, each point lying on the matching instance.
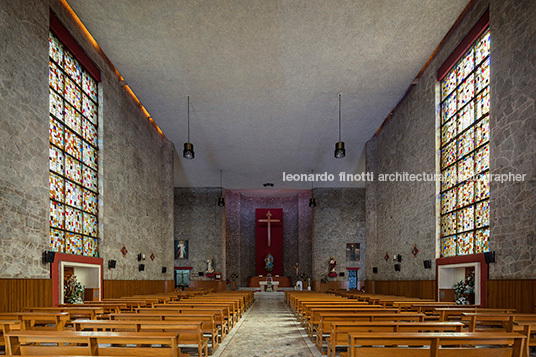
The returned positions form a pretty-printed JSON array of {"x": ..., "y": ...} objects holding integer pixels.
[
  {"x": 312, "y": 202},
  {"x": 340, "y": 152},
  {"x": 188, "y": 151},
  {"x": 221, "y": 201}
]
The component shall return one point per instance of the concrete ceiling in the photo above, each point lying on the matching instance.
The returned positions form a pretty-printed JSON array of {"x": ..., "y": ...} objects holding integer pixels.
[{"x": 263, "y": 77}]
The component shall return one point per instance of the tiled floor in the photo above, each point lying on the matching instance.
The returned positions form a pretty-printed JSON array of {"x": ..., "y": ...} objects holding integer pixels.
[{"x": 267, "y": 329}]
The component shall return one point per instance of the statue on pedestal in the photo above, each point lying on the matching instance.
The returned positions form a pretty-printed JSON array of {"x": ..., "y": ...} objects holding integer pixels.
[
  {"x": 210, "y": 267},
  {"x": 269, "y": 262},
  {"x": 332, "y": 265}
]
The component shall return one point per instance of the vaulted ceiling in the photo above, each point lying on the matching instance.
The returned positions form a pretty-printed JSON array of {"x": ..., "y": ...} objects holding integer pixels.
[{"x": 263, "y": 77}]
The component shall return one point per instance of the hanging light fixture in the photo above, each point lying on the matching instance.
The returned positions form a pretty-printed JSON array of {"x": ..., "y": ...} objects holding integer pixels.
[
  {"x": 339, "y": 146},
  {"x": 221, "y": 200},
  {"x": 188, "y": 151},
  {"x": 312, "y": 201}
]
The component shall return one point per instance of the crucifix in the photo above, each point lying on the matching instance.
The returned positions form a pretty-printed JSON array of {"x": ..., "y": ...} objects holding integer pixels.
[{"x": 269, "y": 221}]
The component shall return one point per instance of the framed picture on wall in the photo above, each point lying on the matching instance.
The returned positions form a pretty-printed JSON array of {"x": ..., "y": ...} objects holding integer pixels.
[
  {"x": 353, "y": 252},
  {"x": 181, "y": 249}
]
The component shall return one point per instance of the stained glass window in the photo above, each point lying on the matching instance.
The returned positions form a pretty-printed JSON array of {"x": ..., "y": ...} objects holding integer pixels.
[
  {"x": 73, "y": 154},
  {"x": 465, "y": 153}
]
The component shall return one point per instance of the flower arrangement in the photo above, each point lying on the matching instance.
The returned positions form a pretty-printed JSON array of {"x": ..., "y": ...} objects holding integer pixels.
[
  {"x": 459, "y": 287},
  {"x": 463, "y": 289},
  {"x": 73, "y": 291},
  {"x": 462, "y": 300}
]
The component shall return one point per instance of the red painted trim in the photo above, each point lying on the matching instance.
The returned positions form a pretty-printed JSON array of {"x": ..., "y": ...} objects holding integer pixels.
[
  {"x": 55, "y": 272},
  {"x": 68, "y": 40},
  {"x": 468, "y": 40},
  {"x": 184, "y": 268},
  {"x": 348, "y": 268},
  {"x": 472, "y": 258}
]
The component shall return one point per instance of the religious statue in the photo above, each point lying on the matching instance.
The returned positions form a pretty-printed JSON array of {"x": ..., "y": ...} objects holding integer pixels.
[
  {"x": 269, "y": 282},
  {"x": 269, "y": 262},
  {"x": 332, "y": 264},
  {"x": 297, "y": 267},
  {"x": 210, "y": 268}
]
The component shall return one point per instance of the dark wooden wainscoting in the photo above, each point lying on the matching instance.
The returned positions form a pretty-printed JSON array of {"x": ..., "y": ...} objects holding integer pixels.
[
  {"x": 517, "y": 294},
  {"x": 217, "y": 285},
  {"x": 425, "y": 289},
  {"x": 119, "y": 288},
  {"x": 317, "y": 285},
  {"x": 18, "y": 293}
]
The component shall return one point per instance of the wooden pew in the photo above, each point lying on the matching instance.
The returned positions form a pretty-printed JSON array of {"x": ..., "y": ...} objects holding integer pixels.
[
  {"x": 131, "y": 304},
  {"x": 236, "y": 307},
  {"x": 428, "y": 307},
  {"x": 6, "y": 326},
  {"x": 208, "y": 321},
  {"x": 339, "y": 330},
  {"x": 223, "y": 297},
  {"x": 411, "y": 305},
  {"x": 480, "y": 320},
  {"x": 79, "y": 311},
  {"x": 447, "y": 313},
  {"x": 313, "y": 318},
  {"x": 528, "y": 329},
  {"x": 248, "y": 296},
  {"x": 222, "y": 319},
  {"x": 231, "y": 310},
  {"x": 326, "y": 319},
  {"x": 190, "y": 332},
  {"x": 304, "y": 307},
  {"x": 510, "y": 322},
  {"x": 155, "y": 298},
  {"x": 146, "y": 301},
  {"x": 378, "y": 344},
  {"x": 30, "y": 319},
  {"x": 22, "y": 343},
  {"x": 108, "y": 307}
]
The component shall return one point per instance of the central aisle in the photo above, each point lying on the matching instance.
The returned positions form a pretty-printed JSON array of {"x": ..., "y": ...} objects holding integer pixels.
[{"x": 268, "y": 329}]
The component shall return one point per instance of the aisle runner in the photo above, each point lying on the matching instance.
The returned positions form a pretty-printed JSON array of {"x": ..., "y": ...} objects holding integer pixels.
[{"x": 268, "y": 329}]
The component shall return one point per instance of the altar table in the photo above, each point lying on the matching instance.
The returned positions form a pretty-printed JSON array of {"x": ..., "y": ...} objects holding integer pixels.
[{"x": 263, "y": 285}]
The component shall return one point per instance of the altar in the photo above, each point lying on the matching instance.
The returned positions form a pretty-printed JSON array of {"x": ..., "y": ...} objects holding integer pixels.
[
  {"x": 283, "y": 281},
  {"x": 263, "y": 285}
]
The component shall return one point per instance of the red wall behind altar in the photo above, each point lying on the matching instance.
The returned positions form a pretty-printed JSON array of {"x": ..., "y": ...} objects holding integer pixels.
[{"x": 261, "y": 238}]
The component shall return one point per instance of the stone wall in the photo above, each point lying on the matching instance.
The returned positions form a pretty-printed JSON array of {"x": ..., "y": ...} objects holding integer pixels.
[
  {"x": 233, "y": 237},
  {"x": 135, "y": 161},
  {"x": 240, "y": 230},
  {"x": 513, "y": 138},
  {"x": 24, "y": 139},
  {"x": 403, "y": 214},
  {"x": 199, "y": 219},
  {"x": 338, "y": 219}
]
